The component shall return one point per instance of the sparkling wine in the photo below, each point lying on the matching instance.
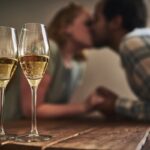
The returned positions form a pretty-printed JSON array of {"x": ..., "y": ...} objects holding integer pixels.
[
  {"x": 34, "y": 67},
  {"x": 7, "y": 68}
]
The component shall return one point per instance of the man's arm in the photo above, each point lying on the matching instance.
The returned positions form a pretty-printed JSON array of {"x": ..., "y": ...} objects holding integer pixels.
[
  {"x": 135, "y": 56},
  {"x": 112, "y": 104}
]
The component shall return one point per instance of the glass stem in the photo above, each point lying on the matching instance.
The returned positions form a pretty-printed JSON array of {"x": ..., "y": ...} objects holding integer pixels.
[
  {"x": 34, "y": 130},
  {"x": 2, "y": 89}
]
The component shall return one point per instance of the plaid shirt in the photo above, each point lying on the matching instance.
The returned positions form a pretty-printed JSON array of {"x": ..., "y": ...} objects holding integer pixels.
[{"x": 135, "y": 57}]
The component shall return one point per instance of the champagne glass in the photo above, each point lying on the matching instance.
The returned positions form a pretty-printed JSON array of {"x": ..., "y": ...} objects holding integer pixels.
[
  {"x": 33, "y": 57},
  {"x": 8, "y": 64}
]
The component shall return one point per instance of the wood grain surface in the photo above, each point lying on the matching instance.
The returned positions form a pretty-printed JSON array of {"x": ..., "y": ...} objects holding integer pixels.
[{"x": 88, "y": 133}]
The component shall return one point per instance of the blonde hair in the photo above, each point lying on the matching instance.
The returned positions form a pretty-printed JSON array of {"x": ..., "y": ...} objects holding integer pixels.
[{"x": 62, "y": 19}]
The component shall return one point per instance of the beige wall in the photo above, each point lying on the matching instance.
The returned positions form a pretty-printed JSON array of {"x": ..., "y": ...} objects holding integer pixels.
[{"x": 103, "y": 69}]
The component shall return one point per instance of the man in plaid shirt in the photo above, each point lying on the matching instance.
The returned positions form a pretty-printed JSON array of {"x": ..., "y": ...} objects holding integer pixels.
[{"x": 120, "y": 24}]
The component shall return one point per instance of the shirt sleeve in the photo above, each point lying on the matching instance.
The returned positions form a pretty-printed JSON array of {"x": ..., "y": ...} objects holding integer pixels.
[
  {"x": 134, "y": 109},
  {"x": 135, "y": 57}
]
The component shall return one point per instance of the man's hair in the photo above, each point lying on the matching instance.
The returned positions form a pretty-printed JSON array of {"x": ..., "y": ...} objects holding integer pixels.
[{"x": 133, "y": 12}]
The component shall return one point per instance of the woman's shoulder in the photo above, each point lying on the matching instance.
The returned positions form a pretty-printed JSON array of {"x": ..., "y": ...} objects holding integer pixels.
[
  {"x": 54, "y": 49},
  {"x": 54, "y": 58}
]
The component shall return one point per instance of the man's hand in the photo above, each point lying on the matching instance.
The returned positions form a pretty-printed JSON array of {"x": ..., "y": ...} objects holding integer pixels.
[
  {"x": 93, "y": 102},
  {"x": 107, "y": 107},
  {"x": 102, "y": 100}
]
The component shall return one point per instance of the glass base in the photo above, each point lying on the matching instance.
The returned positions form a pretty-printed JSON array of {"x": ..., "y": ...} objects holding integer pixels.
[
  {"x": 7, "y": 137},
  {"x": 33, "y": 138}
]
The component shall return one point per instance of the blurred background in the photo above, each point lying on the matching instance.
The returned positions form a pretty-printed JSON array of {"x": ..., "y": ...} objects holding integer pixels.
[
  {"x": 17, "y": 12},
  {"x": 103, "y": 66}
]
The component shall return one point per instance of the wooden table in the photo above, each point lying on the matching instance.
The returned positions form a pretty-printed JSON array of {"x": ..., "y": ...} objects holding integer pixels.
[{"x": 88, "y": 133}]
